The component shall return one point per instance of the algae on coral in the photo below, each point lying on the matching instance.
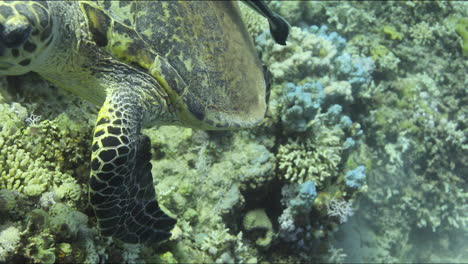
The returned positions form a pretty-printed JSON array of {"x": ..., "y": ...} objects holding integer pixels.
[{"x": 393, "y": 77}]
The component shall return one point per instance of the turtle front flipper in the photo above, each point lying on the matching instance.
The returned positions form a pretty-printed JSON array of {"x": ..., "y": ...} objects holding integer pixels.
[
  {"x": 121, "y": 186},
  {"x": 279, "y": 27}
]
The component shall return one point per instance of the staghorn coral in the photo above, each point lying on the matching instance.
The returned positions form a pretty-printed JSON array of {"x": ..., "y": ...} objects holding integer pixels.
[
  {"x": 41, "y": 155},
  {"x": 317, "y": 156},
  {"x": 216, "y": 241},
  {"x": 422, "y": 33},
  {"x": 33, "y": 159},
  {"x": 302, "y": 161}
]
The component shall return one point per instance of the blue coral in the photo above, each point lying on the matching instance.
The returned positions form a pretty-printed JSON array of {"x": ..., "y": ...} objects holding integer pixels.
[
  {"x": 300, "y": 105},
  {"x": 349, "y": 143},
  {"x": 293, "y": 224},
  {"x": 335, "y": 110},
  {"x": 333, "y": 37},
  {"x": 334, "y": 114},
  {"x": 304, "y": 200},
  {"x": 356, "y": 72},
  {"x": 355, "y": 178},
  {"x": 346, "y": 122},
  {"x": 336, "y": 117}
]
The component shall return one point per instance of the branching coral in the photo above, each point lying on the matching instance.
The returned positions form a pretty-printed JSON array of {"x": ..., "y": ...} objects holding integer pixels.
[
  {"x": 422, "y": 33},
  {"x": 250, "y": 163},
  {"x": 216, "y": 241},
  {"x": 302, "y": 161},
  {"x": 34, "y": 159},
  {"x": 317, "y": 156},
  {"x": 41, "y": 248},
  {"x": 340, "y": 208}
]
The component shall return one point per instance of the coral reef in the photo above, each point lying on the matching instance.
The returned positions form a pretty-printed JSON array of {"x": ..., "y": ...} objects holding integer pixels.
[
  {"x": 355, "y": 178},
  {"x": 300, "y": 105},
  {"x": 9, "y": 240},
  {"x": 258, "y": 221},
  {"x": 340, "y": 208},
  {"x": 364, "y": 139}
]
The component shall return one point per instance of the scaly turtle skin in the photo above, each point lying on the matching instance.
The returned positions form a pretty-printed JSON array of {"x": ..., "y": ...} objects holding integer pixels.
[{"x": 187, "y": 63}]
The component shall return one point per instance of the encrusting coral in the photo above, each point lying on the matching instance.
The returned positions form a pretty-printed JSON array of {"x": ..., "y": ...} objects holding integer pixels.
[
  {"x": 9, "y": 240},
  {"x": 258, "y": 220},
  {"x": 366, "y": 117}
]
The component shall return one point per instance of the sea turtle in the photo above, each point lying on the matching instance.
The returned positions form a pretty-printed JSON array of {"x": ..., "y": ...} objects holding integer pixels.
[{"x": 187, "y": 63}]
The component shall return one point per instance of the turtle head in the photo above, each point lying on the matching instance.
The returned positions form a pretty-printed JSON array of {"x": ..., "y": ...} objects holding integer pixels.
[{"x": 25, "y": 32}]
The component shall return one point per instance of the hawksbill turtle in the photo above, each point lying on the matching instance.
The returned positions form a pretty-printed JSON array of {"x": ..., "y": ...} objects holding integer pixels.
[{"x": 186, "y": 63}]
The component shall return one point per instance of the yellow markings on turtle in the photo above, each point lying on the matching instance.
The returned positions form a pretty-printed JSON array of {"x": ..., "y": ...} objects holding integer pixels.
[
  {"x": 104, "y": 114},
  {"x": 119, "y": 39},
  {"x": 188, "y": 64},
  {"x": 165, "y": 8},
  {"x": 125, "y": 44},
  {"x": 98, "y": 23},
  {"x": 155, "y": 70},
  {"x": 176, "y": 38},
  {"x": 147, "y": 32},
  {"x": 184, "y": 114},
  {"x": 121, "y": 10},
  {"x": 114, "y": 28}
]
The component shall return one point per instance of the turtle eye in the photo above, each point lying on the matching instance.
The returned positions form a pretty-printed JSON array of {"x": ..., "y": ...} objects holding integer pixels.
[{"x": 15, "y": 31}]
